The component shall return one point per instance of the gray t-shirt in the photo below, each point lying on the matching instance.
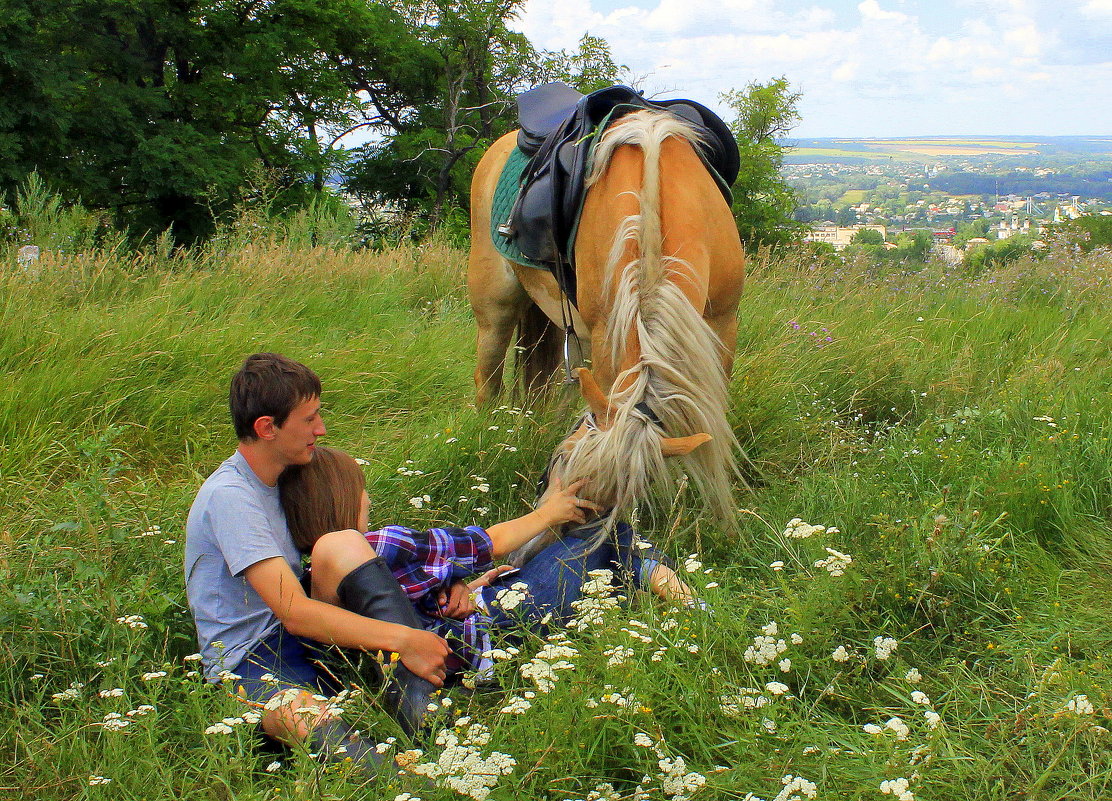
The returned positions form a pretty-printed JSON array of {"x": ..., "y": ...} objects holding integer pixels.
[{"x": 235, "y": 521}]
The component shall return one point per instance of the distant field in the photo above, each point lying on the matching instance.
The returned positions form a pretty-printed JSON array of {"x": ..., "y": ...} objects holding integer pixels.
[{"x": 802, "y": 151}]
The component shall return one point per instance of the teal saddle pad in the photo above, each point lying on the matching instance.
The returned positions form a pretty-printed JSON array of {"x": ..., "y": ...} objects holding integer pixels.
[{"x": 505, "y": 194}]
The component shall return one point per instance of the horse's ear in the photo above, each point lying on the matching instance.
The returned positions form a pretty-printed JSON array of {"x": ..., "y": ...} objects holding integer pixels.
[
  {"x": 596, "y": 399},
  {"x": 681, "y": 446}
]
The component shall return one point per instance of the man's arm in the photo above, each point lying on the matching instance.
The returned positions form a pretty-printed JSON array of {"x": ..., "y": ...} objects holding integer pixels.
[{"x": 421, "y": 651}]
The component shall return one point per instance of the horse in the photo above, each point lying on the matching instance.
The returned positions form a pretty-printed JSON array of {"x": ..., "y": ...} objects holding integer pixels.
[{"x": 659, "y": 270}]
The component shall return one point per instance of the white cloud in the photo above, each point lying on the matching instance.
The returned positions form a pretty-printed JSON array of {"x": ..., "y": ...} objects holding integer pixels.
[
  {"x": 871, "y": 10},
  {"x": 880, "y": 67},
  {"x": 1097, "y": 8}
]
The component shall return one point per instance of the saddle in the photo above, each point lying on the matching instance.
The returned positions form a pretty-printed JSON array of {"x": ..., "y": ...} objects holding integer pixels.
[{"x": 559, "y": 127}]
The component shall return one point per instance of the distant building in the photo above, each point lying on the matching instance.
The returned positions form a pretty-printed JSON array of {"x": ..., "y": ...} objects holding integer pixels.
[{"x": 840, "y": 236}]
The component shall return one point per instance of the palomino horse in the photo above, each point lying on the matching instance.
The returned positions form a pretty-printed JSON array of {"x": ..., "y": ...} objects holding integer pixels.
[{"x": 659, "y": 267}]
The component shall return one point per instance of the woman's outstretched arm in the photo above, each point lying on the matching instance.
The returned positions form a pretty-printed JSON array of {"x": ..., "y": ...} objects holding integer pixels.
[{"x": 561, "y": 506}]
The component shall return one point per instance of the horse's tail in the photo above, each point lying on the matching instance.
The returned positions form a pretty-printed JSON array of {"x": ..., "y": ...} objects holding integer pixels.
[
  {"x": 537, "y": 354},
  {"x": 679, "y": 378}
]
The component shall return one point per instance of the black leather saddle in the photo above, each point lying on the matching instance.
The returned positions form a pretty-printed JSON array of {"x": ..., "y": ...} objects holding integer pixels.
[{"x": 558, "y": 128}]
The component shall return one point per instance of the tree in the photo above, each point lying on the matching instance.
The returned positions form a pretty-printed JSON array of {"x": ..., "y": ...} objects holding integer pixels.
[
  {"x": 867, "y": 236},
  {"x": 763, "y": 201},
  {"x": 158, "y": 111},
  {"x": 425, "y": 167}
]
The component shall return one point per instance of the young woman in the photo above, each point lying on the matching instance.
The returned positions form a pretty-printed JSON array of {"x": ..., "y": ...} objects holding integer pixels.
[{"x": 433, "y": 567}]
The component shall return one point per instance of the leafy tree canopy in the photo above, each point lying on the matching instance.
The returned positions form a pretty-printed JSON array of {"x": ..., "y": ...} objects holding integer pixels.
[
  {"x": 158, "y": 110},
  {"x": 763, "y": 201}
]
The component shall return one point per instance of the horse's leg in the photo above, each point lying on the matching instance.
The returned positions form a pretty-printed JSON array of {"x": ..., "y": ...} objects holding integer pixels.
[
  {"x": 498, "y": 299},
  {"x": 725, "y": 326}
]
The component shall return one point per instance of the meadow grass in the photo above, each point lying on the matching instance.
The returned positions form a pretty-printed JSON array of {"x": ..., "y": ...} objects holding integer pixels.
[{"x": 944, "y": 622}]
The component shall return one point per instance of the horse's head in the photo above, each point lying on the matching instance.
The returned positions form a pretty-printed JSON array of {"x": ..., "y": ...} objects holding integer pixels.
[
  {"x": 595, "y": 434},
  {"x": 603, "y": 415}
]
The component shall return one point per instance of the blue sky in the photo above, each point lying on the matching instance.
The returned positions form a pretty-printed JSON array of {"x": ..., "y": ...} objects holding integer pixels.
[{"x": 868, "y": 68}]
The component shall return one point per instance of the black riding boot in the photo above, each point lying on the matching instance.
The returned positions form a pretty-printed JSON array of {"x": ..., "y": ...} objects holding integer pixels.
[
  {"x": 372, "y": 591},
  {"x": 336, "y": 741}
]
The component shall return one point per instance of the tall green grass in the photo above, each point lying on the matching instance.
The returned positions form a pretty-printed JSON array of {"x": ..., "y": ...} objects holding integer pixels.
[{"x": 953, "y": 429}]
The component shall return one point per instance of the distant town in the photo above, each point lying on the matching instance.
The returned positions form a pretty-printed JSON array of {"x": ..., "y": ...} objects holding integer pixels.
[{"x": 964, "y": 192}]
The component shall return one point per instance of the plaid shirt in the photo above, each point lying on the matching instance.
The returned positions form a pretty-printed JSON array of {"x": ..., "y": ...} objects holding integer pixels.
[{"x": 424, "y": 562}]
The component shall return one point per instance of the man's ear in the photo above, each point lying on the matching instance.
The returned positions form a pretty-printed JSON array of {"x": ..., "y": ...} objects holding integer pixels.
[{"x": 265, "y": 428}]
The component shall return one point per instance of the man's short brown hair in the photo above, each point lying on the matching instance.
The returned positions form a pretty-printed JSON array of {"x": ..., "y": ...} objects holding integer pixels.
[{"x": 269, "y": 385}]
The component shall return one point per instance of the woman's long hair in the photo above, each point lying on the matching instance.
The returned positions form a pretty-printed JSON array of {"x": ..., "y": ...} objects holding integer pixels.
[{"x": 321, "y": 496}]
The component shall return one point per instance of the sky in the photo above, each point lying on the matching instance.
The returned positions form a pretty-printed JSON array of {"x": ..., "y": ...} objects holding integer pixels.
[{"x": 881, "y": 68}]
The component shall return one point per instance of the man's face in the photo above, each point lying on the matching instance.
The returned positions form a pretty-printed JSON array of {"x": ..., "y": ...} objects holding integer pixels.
[{"x": 296, "y": 439}]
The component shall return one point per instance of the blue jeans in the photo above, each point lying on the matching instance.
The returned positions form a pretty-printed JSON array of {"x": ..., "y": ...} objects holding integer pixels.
[{"x": 554, "y": 577}]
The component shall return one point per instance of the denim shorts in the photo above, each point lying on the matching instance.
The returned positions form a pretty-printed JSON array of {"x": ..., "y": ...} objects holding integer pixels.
[{"x": 290, "y": 660}]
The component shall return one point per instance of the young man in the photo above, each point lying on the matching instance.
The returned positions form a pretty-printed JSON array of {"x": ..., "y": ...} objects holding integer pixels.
[{"x": 243, "y": 574}]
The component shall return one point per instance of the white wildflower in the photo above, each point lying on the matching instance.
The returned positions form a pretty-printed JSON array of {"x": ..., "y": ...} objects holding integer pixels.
[
  {"x": 776, "y": 688},
  {"x": 900, "y": 788},
  {"x": 273, "y": 766},
  {"x": 778, "y": 565},
  {"x": 896, "y": 725},
  {"x": 157, "y": 674},
  {"x": 643, "y": 740},
  {"x": 115, "y": 692},
  {"x": 921, "y": 698},
  {"x": 933, "y": 718},
  {"x": 1080, "y": 705},
  {"x": 798, "y": 530},
  {"x": 913, "y": 676},
  {"x": 884, "y": 647},
  {"x": 419, "y": 501},
  {"x": 132, "y": 621},
  {"x": 872, "y": 728},
  {"x": 95, "y": 780},
  {"x": 785, "y": 665},
  {"x": 840, "y": 654},
  {"x": 796, "y": 788},
  {"x": 836, "y": 563}
]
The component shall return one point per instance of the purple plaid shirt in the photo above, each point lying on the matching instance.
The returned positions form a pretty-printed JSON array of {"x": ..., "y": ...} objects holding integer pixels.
[{"x": 426, "y": 561}]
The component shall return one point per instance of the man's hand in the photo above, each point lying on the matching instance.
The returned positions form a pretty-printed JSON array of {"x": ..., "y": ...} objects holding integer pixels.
[
  {"x": 425, "y": 653},
  {"x": 455, "y": 602}
]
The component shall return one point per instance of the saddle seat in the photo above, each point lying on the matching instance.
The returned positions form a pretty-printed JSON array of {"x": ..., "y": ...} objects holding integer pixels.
[{"x": 559, "y": 127}]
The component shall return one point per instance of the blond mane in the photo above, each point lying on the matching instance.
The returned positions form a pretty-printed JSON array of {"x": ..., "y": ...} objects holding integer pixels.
[{"x": 680, "y": 376}]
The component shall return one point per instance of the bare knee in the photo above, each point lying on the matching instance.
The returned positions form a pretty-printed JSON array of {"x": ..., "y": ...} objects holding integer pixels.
[
  {"x": 334, "y": 556},
  {"x": 292, "y": 719}
]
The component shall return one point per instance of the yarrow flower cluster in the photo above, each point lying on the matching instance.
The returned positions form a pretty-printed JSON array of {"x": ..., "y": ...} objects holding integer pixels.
[
  {"x": 1080, "y": 705},
  {"x": 900, "y": 788},
  {"x": 598, "y": 598},
  {"x": 71, "y": 693},
  {"x": 884, "y": 647},
  {"x": 513, "y": 596},
  {"x": 746, "y": 698},
  {"x": 518, "y": 704},
  {"x": 766, "y": 648},
  {"x": 554, "y": 656},
  {"x": 461, "y": 765},
  {"x": 836, "y": 563},
  {"x": 799, "y": 530},
  {"x": 132, "y": 621},
  {"x": 796, "y": 788}
]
